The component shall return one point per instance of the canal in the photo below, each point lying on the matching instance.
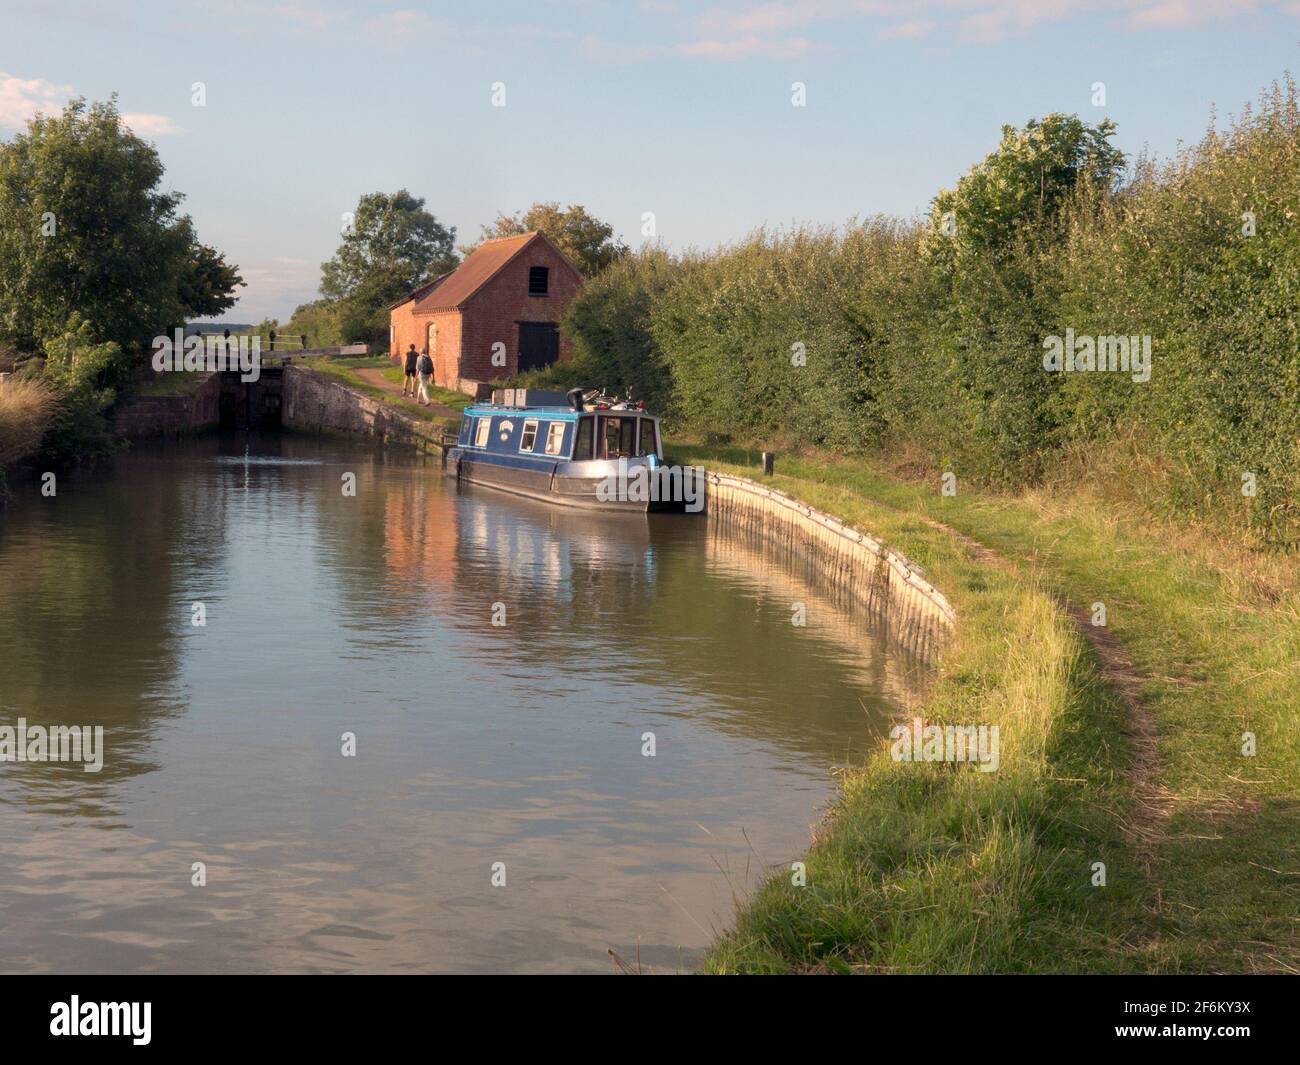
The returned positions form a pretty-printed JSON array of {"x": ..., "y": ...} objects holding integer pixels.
[{"x": 504, "y": 667}]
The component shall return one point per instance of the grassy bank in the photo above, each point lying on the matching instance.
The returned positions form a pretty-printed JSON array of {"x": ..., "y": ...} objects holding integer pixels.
[
  {"x": 457, "y": 401},
  {"x": 345, "y": 370},
  {"x": 923, "y": 868}
]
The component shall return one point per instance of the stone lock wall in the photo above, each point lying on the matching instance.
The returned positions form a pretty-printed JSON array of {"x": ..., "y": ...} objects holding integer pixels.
[
  {"x": 891, "y": 589},
  {"x": 313, "y": 402},
  {"x": 190, "y": 412}
]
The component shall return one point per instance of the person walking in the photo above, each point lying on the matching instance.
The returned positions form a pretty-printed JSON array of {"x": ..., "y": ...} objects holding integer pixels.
[
  {"x": 424, "y": 365},
  {"x": 408, "y": 382}
]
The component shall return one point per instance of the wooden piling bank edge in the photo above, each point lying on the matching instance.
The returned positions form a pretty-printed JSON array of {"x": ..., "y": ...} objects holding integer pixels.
[{"x": 915, "y": 614}]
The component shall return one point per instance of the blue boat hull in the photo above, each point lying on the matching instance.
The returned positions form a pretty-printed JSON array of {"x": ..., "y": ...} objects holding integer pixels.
[{"x": 552, "y": 482}]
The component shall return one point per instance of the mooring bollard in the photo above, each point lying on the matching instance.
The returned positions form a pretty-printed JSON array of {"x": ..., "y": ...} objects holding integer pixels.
[{"x": 769, "y": 460}]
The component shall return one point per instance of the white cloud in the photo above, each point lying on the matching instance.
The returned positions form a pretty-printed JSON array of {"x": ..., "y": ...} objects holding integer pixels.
[
  {"x": 97, "y": 16},
  {"x": 406, "y": 26},
  {"x": 773, "y": 18},
  {"x": 274, "y": 288},
  {"x": 743, "y": 47},
  {"x": 307, "y": 15},
  {"x": 733, "y": 30},
  {"x": 908, "y": 30},
  {"x": 1179, "y": 14},
  {"x": 150, "y": 125},
  {"x": 22, "y": 98},
  {"x": 984, "y": 26}
]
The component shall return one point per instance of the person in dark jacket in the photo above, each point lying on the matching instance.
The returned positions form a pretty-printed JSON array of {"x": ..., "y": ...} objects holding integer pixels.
[{"x": 408, "y": 382}]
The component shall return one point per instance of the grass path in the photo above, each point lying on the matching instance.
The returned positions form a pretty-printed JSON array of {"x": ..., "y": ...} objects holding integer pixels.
[
  {"x": 376, "y": 376},
  {"x": 1146, "y": 825},
  {"x": 1128, "y": 744},
  {"x": 380, "y": 379}
]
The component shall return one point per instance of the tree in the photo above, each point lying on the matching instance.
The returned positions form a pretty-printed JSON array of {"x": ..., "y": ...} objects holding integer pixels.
[
  {"x": 993, "y": 255},
  {"x": 85, "y": 228},
  {"x": 586, "y": 241},
  {"x": 392, "y": 246},
  {"x": 1024, "y": 181},
  {"x": 319, "y": 321},
  {"x": 208, "y": 282},
  {"x": 609, "y": 322}
]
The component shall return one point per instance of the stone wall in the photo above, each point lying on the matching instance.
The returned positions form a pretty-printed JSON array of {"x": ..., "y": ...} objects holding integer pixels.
[
  {"x": 176, "y": 415},
  {"x": 315, "y": 403},
  {"x": 914, "y": 614}
]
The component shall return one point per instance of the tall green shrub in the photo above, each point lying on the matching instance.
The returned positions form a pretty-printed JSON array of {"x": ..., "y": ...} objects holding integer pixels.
[
  {"x": 760, "y": 340},
  {"x": 609, "y": 324},
  {"x": 929, "y": 337},
  {"x": 1203, "y": 255}
]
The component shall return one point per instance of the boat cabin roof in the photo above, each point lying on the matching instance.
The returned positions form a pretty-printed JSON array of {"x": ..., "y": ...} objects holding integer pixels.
[{"x": 564, "y": 414}]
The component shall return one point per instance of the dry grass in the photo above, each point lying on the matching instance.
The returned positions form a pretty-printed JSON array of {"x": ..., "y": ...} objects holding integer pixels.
[
  {"x": 1217, "y": 530},
  {"x": 1256, "y": 575},
  {"x": 26, "y": 410}
]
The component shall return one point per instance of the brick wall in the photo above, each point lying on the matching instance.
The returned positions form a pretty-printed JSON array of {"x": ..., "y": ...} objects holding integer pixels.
[
  {"x": 410, "y": 328},
  {"x": 446, "y": 347},
  {"x": 406, "y": 330},
  {"x": 494, "y": 312}
]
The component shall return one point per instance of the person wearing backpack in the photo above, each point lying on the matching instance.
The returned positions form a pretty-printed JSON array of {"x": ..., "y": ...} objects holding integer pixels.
[{"x": 424, "y": 367}]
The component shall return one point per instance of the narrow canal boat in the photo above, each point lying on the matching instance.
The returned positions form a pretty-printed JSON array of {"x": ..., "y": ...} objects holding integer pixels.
[{"x": 581, "y": 454}]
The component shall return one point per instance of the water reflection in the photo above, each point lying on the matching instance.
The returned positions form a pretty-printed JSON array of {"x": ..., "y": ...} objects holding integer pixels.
[{"x": 476, "y": 743}]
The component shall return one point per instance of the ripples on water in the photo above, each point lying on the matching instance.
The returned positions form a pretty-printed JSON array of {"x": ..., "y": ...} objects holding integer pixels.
[{"x": 476, "y": 744}]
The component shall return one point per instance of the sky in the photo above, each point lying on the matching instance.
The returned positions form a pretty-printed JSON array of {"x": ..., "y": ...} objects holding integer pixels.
[{"x": 682, "y": 110}]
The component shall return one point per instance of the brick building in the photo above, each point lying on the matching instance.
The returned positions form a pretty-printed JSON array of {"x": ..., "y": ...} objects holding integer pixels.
[{"x": 508, "y": 292}]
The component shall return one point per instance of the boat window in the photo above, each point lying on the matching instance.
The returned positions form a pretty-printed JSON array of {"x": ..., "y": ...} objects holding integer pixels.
[
  {"x": 647, "y": 444},
  {"x": 582, "y": 449},
  {"x": 530, "y": 435},
  {"x": 554, "y": 438},
  {"x": 481, "y": 432},
  {"x": 466, "y": 429},
  {"x": 617, "y": 438}
]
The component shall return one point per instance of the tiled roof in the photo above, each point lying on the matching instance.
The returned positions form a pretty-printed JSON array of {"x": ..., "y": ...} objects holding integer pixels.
[
  {"x": 471, "y": 275},
  {"x": 422, "y": 291}
]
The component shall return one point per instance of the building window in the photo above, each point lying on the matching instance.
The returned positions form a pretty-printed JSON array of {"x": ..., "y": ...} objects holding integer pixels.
[
  {"x": 554, "y": 438},
  {"x": 539, "y": 278},
  {"x": 529, "y": 439},
  {"x": 482, "y": 431}
]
